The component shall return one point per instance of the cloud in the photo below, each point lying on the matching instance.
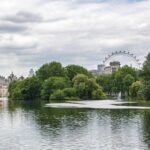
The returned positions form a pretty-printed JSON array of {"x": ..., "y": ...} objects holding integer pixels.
[
  {"x": 70, "y": 31},
  {"x": 17, "y": 46},
  {"x": 7, "y": 27},
  {"x": 23, "y": 17}
]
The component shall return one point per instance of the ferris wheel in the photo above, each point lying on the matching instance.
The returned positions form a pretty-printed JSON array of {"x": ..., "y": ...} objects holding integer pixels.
[{"x": 122, "y": 53}]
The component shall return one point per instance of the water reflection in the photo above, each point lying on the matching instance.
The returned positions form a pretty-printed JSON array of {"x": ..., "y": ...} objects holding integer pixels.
[{"x": 32, "y": 126}]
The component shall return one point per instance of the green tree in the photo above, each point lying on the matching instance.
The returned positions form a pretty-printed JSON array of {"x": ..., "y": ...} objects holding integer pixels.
[
  {"x": 91, "y": 85},
  {"x": 57, "y": 95},
  {"x": 127, "y": 82},
  {"x": 65, "y": 94},
  {"x": 119, "y": 81},
  {"x": 49, "y": 70},
  {"x": 98, "y": 94},
  {"x": 52, "y": 84},
  {"x": 70, "y": 92},
  {"x": 117, "y": 78},
  {"x": 12, "y": 87},
  {"x": 122, "y": 79},
  {"x": 79, "y": 83},
  {"x": 85, "y": 86},
  {"x": 125, "y": 70},
  {"x": 73, "y": 70},
  {"x": 106, "y": 82},
  {"x": 28, "y": 89},
  {"x": 144, "y": 91},
  {"x": 145, "y": 73},
  {"x": 134, "y": 89}
]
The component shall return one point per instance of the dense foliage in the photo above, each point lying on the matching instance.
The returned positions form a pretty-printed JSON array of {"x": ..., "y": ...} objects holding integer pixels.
[
  {"x": 73, "y": 70},
  {"x": 53, "y": 69},
  {"x": 134, "y": 89},
  {"x": 54, "y": 82},
  {"x": 144, "y": 90},
  {"x": 51, "y": 85},
  {"x": 27, "y": 89},
  {"x": 119, "y": 81},
  {"x": 87, "y": 88}
]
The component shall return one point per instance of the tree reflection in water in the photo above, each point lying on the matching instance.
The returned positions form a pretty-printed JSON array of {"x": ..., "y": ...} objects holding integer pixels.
[{"x": 73, "y": 128}]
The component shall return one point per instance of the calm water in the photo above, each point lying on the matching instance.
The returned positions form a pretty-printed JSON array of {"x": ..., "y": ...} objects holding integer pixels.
[{"x": 30, "y": 126}]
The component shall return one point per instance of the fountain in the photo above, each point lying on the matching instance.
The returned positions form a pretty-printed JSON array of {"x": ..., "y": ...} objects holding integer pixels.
[{"x": 119, "y": 96}]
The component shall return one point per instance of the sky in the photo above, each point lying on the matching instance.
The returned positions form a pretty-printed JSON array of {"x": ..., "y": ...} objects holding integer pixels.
[{"x": 83, "y": 32}]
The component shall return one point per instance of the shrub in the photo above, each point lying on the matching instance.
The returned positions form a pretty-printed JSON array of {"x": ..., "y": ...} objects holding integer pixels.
[
  {"x": 52, "y": 84},
  {"x": 98, "y": 94},
  {"x": 57, "y": 95},
  {"x": 134, "y": 89}
]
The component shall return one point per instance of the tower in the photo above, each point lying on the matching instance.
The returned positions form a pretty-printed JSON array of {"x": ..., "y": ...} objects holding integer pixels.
[
  {"x": 115, "y": 65},
  {"x": 31, "y": 73}
]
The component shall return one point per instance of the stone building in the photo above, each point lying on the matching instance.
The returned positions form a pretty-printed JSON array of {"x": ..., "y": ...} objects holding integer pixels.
[
  {"x": 3, "y": 86},
  {"x": 115, "y": 65},
  {"x": 102, "y": 69},
  {"x": 3, "y": 90}
]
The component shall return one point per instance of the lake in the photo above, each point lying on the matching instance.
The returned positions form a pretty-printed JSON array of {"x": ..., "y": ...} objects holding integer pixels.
[{"x": 32, "y": 126}]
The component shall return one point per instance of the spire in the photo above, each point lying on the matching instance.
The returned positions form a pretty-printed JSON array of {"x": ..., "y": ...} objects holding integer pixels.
[{"x": 31, "y": 73}]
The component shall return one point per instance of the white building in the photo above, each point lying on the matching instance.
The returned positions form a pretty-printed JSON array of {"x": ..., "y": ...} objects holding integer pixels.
[{"x": 3, "y": 86}]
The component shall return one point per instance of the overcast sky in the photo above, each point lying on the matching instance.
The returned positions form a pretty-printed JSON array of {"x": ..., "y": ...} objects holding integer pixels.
[{"x": 33, "y": 32}]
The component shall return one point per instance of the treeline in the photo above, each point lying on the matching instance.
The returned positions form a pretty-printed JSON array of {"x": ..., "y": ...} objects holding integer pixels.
[
  {"x": 141, "y": 89},
  {"x": 119, "y": 81},
  {"x": 54, "y": 82},
  {"x": 130, "y": 82}
]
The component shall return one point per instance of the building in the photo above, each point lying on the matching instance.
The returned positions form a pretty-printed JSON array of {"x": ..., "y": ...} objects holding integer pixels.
[
  {"x": 115, "y": 65},
  {"x": 102, "y": 69},
  {"x": 3, "y": 90},
  {"x": 4, "y": 83},
  {"x": 31, "y": 73}
]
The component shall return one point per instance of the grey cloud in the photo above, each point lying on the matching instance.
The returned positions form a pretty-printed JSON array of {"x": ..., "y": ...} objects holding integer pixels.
[
  {"x": 73, "y": 31},
  {"x": 7, "y": 27},
  {"x": 17, "y": 44},
  {"x": 23, "y": 17}
]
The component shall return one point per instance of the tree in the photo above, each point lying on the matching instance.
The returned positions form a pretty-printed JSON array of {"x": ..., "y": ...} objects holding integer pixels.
[
  {"x": 134, "y": 89},
  {"x": 144, "y": 91},
  {"x": 79, "y": 83},
  {"x": 49, "y": 70},
  {"x": 52, "y": 81},
  {"x": 119, "y": 81},
  {"x": 65, "y": 94},
  {"x": 145, "y": 73},
  {"x": 98, "y": 94},
  {"x": 85, "y": 86},
  {"x": 52, "y": 84},
  {"x": 73, "y": 70},
  {"x": 12, "y": 86},
  {"x": 106, "y": 82},
  {"x": 57, "y": 95},
  {"x": 128, "y": 70},
  {"x": 91, "y": 85},
  {"x": 127, "y": 82},
  {"x": 28, "y": 89},
  {"x": 70, "y": 92},
  {"x": 123, "y": 78}
]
